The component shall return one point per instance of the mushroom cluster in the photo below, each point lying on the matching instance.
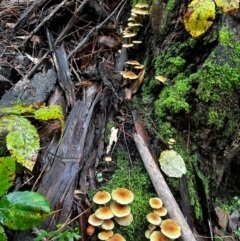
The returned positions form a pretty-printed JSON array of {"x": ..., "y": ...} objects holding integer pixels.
[
  {"x": 168, "y": 228},
  {"x": 118, "y": 209},
  {"x": 134, "y": 69}
]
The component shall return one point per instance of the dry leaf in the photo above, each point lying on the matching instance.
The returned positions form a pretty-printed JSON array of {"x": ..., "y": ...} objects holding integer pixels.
[
  {"x": 199, "y": 16},
  {"x": 137, "y": 82}
]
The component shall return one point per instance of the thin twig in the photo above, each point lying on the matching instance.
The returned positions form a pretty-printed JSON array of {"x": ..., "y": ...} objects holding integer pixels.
[
  {"x": 92, "y": 31},
  {"x": 44, "y": 21}
]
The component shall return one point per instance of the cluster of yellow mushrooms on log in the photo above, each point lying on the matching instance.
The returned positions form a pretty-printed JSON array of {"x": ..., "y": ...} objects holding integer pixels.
[
  {"x": 118, "y": 209},
  {"x": 168, "y": 228}
]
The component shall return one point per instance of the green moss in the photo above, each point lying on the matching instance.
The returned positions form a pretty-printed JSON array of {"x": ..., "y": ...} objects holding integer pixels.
[
  {"x": 225, "y": 36},
  {"x": 169, "y": 66},
  {"x": 170, "y": 6},
  {"x": 137, "y": 180},
  {"x": 172, "y": 98}
]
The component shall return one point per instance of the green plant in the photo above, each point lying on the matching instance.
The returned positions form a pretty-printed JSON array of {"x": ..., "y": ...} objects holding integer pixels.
[
  {"x": 22, "y": 139},
  {"x": 63, "y": 233},
  {"x": 18, "y": 210}
]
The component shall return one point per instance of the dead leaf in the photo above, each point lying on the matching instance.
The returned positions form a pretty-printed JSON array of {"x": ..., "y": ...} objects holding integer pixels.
[
  {"x": 199, "y": 16},
  {"x": 137, "y": 82},
  {"x": 229, "y": 7}
]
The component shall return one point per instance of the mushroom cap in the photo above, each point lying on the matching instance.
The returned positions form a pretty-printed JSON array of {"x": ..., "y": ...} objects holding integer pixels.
[
  {"x": 161, "y": 78},
  {"x": 131, "y": 24},
  {"x": 137, "y": 41},
  {"x": 105, "y": 234},
  {"x": 127, "y": 75},
  {"x": 101, "y": 197},
  {"x": 128, "y": 34},
  {"x": 117, "y": 237},
  {"x": 94, "y": 220},
  {"x": 132, "y": 62},
  {"x": 90, "y": 230},
  {"x": 129, "y": 45},
  {"x": 140, "y": 66},
  {"x": 158, "y": 236},
  {"x": 140, "y": 11},
  {"x": 162, "y": 211},
  {"x": 170, "y": 229},
  {"x": 153, "y": 218},
  {"x": 141, "y": 5},
  {"x": 123, "y": 195},
  {"x": 119, "y": 210},
  {"x": 107, "y": 224},
  {"x": 155, "y": 202},
  {"x": 104, "y": 213},
  {"x": 148, "y": 233},
  {"x": 124, "y": 221},
  {"x": 151, "y": 226}
]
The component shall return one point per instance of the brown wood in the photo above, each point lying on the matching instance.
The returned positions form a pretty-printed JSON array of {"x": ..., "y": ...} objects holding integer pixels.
[{"x": 162, "y": 189}]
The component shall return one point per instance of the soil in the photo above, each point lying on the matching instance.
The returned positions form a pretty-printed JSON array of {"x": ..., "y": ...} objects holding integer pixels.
[{"x": 68, "y": 53}]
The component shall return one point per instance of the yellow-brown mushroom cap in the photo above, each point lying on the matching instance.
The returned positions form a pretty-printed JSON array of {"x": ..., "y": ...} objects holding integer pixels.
[
  {"x": 107, "y": 224},
  {"x": 102, "y": 197},
  {"x": 105, "y": 234},
  {"x": 94, "y": 220},
  {"x": 123, "y": 195},
  {"x": 151, "y": 226},
  {"x": 127, "y": 75},
  {"x": 153, "y": 218},
  {"x": 148, "y": 233},
  {"x": 104, "y": 213},
  {"x": 158, "y": 236},
  {"x": 117, "y": 237},
  {"x": 141, "y": 5},
  {"x": 132, "y": 62},
  {"x": 162, "y": 211},
  {"x": 140, "y": 11},
  {"x": 170, "y": 229},
  {"x": 119, "y": 210},
  {"x": 124, "y": 221},
  {"x": 155, "y": 202}
]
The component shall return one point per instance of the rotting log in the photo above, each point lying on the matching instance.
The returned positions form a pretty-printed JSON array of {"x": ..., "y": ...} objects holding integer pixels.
[
  {"x": 162, "y": 189},
  {"x": 65, "y": 161}
]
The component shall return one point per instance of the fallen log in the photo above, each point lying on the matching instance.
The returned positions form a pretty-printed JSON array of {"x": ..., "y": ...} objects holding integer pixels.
[{"x": 162, "y": 189}]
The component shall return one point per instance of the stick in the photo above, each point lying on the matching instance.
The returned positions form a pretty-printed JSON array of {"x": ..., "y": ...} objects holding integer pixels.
[
  {"x": 92, "y": 31},
  {"x": 162, "y": 189}
]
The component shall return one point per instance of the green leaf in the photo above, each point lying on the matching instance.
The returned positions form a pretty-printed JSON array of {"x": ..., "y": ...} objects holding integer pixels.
[
  {"x": 22, "y": 139},
  {"x": 172, "y": 164},
  {"x": 7, "y": 173},
  {"x": 51, "y": 112},
  {"x": 229, "y": 7},
  {"x": 199, "y": 16},
  {"x": 3, "y": 236},
  {"x": 23, "y": 210}
]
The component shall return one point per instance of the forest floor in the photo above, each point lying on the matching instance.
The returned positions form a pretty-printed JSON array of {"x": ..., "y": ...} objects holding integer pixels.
[{"x": 71, "y": 53}]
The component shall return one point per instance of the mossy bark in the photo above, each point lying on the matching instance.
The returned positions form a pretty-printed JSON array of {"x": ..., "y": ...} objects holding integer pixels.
[{"x": 201, "y": 96}]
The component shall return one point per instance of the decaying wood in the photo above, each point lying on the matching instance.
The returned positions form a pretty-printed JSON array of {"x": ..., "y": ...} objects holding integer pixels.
[
  {"x": 162, "y": 189},
  {"x": 31, "y": 91},
  {"x": 61, "y": 64},
  {"x": 59, "y": 180},
  {"x": 26, "y": 15}
]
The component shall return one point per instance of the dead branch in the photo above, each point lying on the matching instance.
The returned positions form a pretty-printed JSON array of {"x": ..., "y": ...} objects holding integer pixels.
[
  {"x": 92, "y": 31},
  {"x": 44, "y": 21},
  {"x": 72, "y": 21},
  {"x": 162, "y": 189}
]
